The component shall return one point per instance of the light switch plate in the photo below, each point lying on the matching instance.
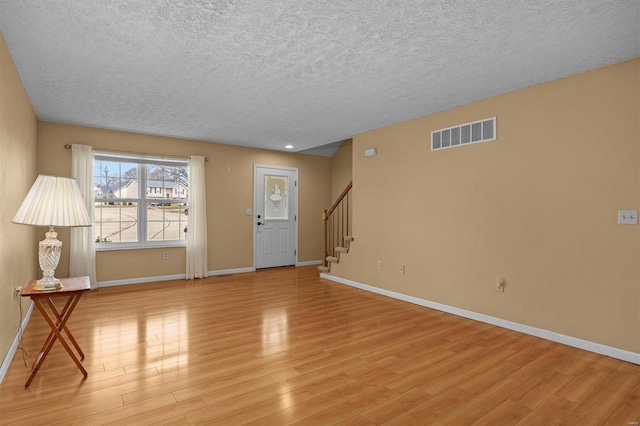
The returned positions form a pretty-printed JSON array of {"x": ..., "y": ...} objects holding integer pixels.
[
  {"x": 628, "y": 217},
  {"x": 248, "y": 212}
]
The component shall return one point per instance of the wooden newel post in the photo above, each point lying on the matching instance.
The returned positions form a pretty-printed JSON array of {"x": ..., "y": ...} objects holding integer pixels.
[{"x": 324, "y": 246}]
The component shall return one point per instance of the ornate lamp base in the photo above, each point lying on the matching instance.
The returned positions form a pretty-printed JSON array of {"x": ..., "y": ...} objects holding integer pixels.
[
  {"x": 49, "y": 255},
  {"x": 43, "y": 284}
]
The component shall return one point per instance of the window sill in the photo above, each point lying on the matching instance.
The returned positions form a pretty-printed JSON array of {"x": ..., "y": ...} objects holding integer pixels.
[{"x": 140, "y": 247}]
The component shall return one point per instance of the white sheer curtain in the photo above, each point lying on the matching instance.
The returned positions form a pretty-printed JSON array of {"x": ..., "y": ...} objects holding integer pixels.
[
  {"x": 197, "y": 221},
  {"x": 82, "y": 248}
]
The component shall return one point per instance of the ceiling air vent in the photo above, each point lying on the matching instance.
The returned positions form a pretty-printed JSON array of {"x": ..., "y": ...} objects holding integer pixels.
[{"x": 464, "y": 134}]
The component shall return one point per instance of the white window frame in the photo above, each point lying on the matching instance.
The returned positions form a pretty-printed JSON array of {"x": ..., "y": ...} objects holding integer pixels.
[{"x": 142, "y": 201}]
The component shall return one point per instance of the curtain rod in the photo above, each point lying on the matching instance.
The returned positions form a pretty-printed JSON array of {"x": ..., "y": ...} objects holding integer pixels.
[{"x": 67, "y": 146}]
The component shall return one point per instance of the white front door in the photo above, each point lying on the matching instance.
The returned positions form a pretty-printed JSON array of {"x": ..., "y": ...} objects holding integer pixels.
[{"x": 275, "y": 211}]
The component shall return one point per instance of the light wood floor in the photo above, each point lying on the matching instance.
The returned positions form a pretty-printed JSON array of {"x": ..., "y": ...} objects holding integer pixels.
[{"x": 284, "y": 346}]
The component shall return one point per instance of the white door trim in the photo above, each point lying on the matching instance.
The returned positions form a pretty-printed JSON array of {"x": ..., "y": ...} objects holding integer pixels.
[{"x": 256, "y": 203}]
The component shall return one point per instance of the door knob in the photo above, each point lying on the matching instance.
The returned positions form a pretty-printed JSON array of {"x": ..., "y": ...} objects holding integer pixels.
[{"x": 260, "y": 223}]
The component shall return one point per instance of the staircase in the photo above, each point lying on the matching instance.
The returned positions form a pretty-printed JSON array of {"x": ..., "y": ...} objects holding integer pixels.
[{"x": 337, "y": 230}]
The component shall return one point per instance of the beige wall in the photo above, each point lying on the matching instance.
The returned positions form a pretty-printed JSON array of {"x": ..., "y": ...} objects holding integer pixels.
[
  {"x": 229, "y": 180},
  {"x": 341, "y": 169},
  {"x": 537, "y": 206},
  {"x": 18, "y": 243}
]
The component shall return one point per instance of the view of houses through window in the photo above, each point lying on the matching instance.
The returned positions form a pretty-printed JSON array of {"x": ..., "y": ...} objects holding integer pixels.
[{"x": 139, "y": 202}]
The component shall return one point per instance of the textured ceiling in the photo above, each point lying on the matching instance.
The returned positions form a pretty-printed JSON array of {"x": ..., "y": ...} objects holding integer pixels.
[{"x": 265, "y": 74}]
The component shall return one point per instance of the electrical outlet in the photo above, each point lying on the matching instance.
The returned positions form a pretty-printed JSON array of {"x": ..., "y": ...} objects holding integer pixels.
[
  {"x": 500, "y": 283},
  {"x": 165, "y": 255},
  {"x": 379, "y": 264},
  {"x": 628, "y": 217},
  {"x": 18, "y": 290},
  {"x": 401, "y": 269}
]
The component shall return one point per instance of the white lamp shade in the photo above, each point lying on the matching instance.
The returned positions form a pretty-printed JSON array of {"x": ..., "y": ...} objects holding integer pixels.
[{"x": 53, "y": 201}]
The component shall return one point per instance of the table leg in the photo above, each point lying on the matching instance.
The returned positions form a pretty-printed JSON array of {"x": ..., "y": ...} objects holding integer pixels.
[
  {"x": 52, "y": 335},
  {"x": 56, "y": 333},
  {"x": 61, "y": 314}
]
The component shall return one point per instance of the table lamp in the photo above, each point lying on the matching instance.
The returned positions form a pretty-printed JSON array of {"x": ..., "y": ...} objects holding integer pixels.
[{"x": 52, "y": 201}]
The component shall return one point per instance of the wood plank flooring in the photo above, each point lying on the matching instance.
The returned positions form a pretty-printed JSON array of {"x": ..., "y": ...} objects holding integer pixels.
[{"x": 283, "y": 346}]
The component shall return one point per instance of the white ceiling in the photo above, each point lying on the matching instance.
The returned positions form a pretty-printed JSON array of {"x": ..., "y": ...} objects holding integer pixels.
[{"x": 264, "y": 73}]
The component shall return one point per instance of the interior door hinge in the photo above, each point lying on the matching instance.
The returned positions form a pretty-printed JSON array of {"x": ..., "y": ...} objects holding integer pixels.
[
  {"x": 295, "y": 252},
  {"x": 295, "y": 183},
  {"x": 295, "y": 217}
]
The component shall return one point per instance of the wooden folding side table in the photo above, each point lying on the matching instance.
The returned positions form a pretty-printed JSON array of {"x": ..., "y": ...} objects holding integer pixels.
[{"x": 72, "y": 289}]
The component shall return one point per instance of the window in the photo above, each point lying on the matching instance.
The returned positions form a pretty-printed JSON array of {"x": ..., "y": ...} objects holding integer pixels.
[{"x": 136, "y": 202}]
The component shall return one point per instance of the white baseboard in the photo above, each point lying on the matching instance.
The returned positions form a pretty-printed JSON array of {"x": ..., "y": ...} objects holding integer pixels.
[
  {"x": 16, "y": 341},
  {"x": 143, "y": 280},
  {"x": 140, "y": 280},
  {"x": 230, "y": 271},
  {"x": 598, "y": 348},
  {"x": 309, "y": 263}
]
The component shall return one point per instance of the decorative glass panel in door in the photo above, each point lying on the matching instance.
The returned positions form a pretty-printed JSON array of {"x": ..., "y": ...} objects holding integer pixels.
[{"x": 276, "y": 197}]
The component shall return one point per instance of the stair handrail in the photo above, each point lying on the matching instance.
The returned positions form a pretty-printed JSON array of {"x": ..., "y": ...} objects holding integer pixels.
[
  {"x": 325, "y": 217},
  {"x": 338, "y": 200}
]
